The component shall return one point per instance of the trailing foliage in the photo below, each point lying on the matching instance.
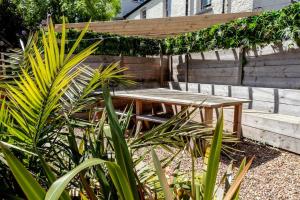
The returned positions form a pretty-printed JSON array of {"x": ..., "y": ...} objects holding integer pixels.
[
  {"x": 268, "y": 27},
  {"x": 113, "y": 44}
]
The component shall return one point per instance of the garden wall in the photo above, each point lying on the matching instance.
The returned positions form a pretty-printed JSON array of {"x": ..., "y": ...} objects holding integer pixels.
[
  {"x": 275, "y": 66},
  {"x": 146, "y": 71}
]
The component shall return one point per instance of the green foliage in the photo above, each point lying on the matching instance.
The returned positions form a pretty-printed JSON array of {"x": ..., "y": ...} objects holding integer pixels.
[
  {"x": 11, "y": 24},
  {"x": 29, "y": 185},
  {"x": 205, "y": 188},
  {"x": 112, "y": 44},
  {"x": 265, "y": 28},
  {"x": 268, "y": 27},
  {"x": 34, "y": 11},
  {"x": 49, "y": 144}
]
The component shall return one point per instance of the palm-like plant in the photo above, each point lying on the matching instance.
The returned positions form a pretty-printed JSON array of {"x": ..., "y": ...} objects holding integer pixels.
[
  {"x": 38, "y": 122},
  {"x": 34, "y": 99},
  {"x": 16, "y": 60}
]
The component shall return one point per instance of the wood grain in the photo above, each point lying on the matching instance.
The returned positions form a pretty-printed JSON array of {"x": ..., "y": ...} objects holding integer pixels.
[{"x": 159, "y": 28}]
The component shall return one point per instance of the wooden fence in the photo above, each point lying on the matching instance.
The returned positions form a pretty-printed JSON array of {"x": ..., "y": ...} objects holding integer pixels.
[
  {"x": 146, "y": 71},
  {"x": 271, "y": 66},
  {"x": 160, "y": 27}
]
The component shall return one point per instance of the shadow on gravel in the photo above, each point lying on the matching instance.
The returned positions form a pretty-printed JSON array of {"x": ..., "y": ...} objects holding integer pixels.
[{"x": 247, "y": 148}]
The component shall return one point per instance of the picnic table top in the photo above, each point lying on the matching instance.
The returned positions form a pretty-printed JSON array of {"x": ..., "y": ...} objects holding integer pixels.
[{"x": 163, "y": 95}]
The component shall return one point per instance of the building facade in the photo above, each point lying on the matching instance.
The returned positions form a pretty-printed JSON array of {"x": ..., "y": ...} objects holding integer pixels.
[
  {"x": 150, "y": 9},
  {"x": 127, "y": 6}
]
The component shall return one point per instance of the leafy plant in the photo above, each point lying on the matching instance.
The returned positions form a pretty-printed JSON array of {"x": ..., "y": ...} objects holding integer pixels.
[
  {"x": 46, "y": 150},
  {"x": 265, "y": 28},
  {"x": 33, "y": 12},
  {"x": 206, "y": 188}
]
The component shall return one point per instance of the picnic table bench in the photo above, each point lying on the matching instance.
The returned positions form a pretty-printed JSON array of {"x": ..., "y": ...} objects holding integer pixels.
[{"x": 181, "y": 98}]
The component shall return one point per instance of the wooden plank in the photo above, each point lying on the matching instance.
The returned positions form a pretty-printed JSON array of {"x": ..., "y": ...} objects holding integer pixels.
[
  {"x": 241, "y": 92},
  {"x": 263, "y": 106},
  {"x": 186, "y": 78},
  {"x": 263, "y": 99},
  {"x": 214, "y": 71},
  {"x": 141, "y": 60},
  {"x": 138, "y": 107},
  {"x": 212, "y": 64},
  {"x": 151, "y": 118},
  {"x": 170, "y": 67},
  {"x": 230, "y": 80},
  {"x": 263, "y": 94},
  {"x": 142, "y": 65},
  {"x": 277, "y": 123},
  {"x": 286, "y": 71},
  {"x": 159, "y": 27},
  {"x": 271, "y": 138},
  {"x": 288, "y": 109},
  {"x": 221, "y": 55},
  {"x": 194, "y": 87},
  {"x": 102, "y": 58},
  {"x": 237, "y": 120},
  {"x": 208, "y": 116},
  {"x": 288, "y": 96},
  {"x": 178, "y": 97},
  {"x": 221, "y": 90},
  {"x": 274, "y": 139},
  {"x": 206, "y": 89},
  {"x": 161, "y": 66},
  {"x": 291, "y": 83}
]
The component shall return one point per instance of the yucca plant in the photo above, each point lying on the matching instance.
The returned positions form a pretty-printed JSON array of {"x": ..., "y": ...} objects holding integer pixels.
[
  {"x": 43, "y": 139},
  {"x": 34, "y": 100}
]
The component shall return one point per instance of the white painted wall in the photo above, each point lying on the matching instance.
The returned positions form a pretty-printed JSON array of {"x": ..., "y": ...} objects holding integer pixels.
[
  {"x": 270, "y": 4},
  {"x": 235, "y": 6},
  {"x": 156, "y": 8},
  {"x": 177, "y": 8}
]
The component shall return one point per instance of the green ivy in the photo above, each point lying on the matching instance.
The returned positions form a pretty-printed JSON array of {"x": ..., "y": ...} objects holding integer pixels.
[
  {"x": 113, "y": 44},
  {"x": 268, "y": 27}
]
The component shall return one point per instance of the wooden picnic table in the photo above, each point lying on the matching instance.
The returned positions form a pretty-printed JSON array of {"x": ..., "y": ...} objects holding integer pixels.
[{"x": 182, "y": 98}]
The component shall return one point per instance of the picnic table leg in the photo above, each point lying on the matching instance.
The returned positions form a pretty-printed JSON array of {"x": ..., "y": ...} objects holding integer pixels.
[
  {"x": 138, "y": 111},
  {"x": 208, "y": 116},
  {"x": 237, "y": 121}
]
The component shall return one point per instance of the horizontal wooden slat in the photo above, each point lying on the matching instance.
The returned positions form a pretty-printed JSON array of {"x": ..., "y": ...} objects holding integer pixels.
[
  {"x": 284, "y": 71},
  {"x": 151, "y": 118},
  {"x": 293, "y": 83},
  {"x": 160, "y": 27},
  {"x": 212, "y": 64}
]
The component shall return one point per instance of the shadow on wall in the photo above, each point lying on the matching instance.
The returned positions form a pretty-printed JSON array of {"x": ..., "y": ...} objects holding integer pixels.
[
  {"x": 219, "y": 67},
  {"x": 268, "y": 100},
  {"x": 276, "y": 66}
]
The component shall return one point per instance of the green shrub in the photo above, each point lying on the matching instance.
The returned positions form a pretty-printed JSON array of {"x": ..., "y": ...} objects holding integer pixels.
[{"x": 268, "y": 27}]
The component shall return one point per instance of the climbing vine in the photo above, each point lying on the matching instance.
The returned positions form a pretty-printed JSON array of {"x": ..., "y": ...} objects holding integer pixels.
[{"x": 268, "y": 27}]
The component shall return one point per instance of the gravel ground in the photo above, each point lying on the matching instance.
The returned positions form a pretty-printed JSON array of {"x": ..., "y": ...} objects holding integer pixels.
[{"x": 274, "y": 174}]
